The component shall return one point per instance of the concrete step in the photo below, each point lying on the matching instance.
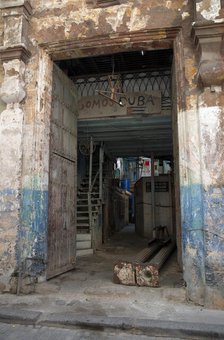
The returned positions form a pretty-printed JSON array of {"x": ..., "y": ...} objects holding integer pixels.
[
  {"x": 83, "y": 231},
  {"x": 86, "y": 184},
  {"x": 86, "y": 206},
  {"x": 83, "y": 245},
  {"x": 83, "y": 237},
  {"x": 82, "y": 218},
  {"x": 86, "y": 192},
  {"x": 83, "y": 252},
  {"x": 82, "y": 225},
  {"x": 85, "y": 203},
  {"x": 86, "y": 180}
]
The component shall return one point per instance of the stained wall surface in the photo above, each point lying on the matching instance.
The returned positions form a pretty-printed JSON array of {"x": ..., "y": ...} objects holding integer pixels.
[{"x": 52, "y": 30}]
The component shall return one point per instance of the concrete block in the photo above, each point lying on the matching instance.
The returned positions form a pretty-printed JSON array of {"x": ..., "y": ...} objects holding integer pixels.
[
  {"x": 83, "y": 252},
  {"x": 83, "y": 245},
  {"x": 83, "y": 237},
  {"x": 124, "y": 273},
  {"x": 147, "y": 275}
]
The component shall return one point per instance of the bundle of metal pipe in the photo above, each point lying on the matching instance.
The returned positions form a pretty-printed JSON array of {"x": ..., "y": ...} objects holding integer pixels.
[
  {"x": 147, "y": 274},
  {"x": 161, "y": 257},
  {"x": 146, "y": 253},
  {"x": 141, "y": 273},
  {"x": 124, "y": 271}
]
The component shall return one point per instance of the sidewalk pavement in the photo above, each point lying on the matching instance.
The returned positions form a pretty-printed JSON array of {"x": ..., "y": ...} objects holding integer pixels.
[
  {"x": 208, "y": 324},
  {"x": 87, "y": 298}
]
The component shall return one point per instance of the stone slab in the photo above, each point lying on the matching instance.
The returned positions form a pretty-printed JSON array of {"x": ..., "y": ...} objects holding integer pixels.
[
  {"x": 124, "y": 273},
  {"x": 19, "y": 315},
  {"x": 84, "y": 252},
  {"x": 147, "y": 275},
  {"x": 145, "y": 326},
  {"x": 154, "y": 327}
]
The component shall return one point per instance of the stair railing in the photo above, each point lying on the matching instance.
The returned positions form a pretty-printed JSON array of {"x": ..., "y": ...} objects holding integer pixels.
[
  {"x": 90, "y": 183},
  {"x": 94, "y": 180},
  {"x": 99, "y": 174}
]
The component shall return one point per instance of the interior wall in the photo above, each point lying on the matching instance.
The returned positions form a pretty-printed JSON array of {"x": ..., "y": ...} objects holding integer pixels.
[{"x": 176, "y": 179}]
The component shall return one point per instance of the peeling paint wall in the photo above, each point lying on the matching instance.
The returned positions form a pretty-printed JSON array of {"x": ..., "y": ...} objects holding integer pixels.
[
  {"x": 208, "y": 10},
  {"x": 32, "y": 232},
  {"x": 211, "y": 112},
  {"x": 71, "y": 28},
  {"x": 11, "y": 132},
  {"x": 200, "y": 108},
  {"x": 74, "y": 19}
]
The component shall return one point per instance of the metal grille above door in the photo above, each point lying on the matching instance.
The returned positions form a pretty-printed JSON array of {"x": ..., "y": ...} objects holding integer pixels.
[{"x": 131, "y": 82}]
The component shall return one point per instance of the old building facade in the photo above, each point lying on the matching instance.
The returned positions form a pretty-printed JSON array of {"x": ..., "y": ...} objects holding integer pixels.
[{"x": 35, "y": 34}]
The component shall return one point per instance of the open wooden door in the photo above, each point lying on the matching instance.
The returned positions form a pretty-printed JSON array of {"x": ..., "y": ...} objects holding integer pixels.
[{"x": 62, "y": 176}]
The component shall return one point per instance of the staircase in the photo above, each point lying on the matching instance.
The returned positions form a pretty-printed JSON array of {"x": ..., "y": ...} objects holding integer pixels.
[{"x": 87, "y": 213}]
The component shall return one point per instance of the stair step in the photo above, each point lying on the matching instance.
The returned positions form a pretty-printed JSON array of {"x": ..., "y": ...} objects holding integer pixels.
[
  {"x": 84, "y": 196},
  {"x": 80, "y": 225},
  {"x": 86, "y": 179},
  {"x": 86, "y": 184},
  {"x": 86, "y": 200},
  {"x": 93, "y": 203},
  {"x": 83, "y": 252},
  {"x": 82, "y": 218},
  {"x": 83, "y": 230},
  {"x": 86, "y": 192},
  {"x": 83, "y": 244},
  {"x": 83, "y": 237}
]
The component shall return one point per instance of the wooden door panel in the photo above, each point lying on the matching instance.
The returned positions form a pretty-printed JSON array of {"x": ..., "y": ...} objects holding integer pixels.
[{"x": 62, "y": 177}]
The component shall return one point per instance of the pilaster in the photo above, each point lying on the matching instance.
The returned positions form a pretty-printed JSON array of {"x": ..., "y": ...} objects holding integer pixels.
[
  {"x": 14, "y": 54},
  {"x": 209, "y": 43}
]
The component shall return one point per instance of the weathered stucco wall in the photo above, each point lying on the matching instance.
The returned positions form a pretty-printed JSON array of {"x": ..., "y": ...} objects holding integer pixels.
[
  {"x": 32, "y": 232},
  {"x": 24, "y": 152},
  {"x": 11, "y": 131},
  {"x": 67, "y": 29},
  {"x": 74, "y": 19},
  {"x": 200, "y": 108},
  {"x": 69, "y": 22},
  {"x": 211, "y": 113}
]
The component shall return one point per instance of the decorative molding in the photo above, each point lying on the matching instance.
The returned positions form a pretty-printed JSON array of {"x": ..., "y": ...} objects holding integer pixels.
[
  {"x": 102, "y": 3},
  {"x": 14, "y": 8},
  {"x": 15, "y": 52},
  {"x": 208, "y": 39},
  {"x": 112, "y": 43}
]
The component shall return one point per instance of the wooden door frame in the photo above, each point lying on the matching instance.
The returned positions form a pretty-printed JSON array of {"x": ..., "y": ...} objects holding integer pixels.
[{"x": 168, "y": 38}]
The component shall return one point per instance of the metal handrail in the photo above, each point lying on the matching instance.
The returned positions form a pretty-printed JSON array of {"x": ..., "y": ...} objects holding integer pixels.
[{"x": 94, "y": 180}]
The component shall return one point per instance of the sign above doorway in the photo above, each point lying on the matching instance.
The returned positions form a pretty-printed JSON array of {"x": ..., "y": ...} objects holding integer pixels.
[{"x": 142, "y": 103}]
